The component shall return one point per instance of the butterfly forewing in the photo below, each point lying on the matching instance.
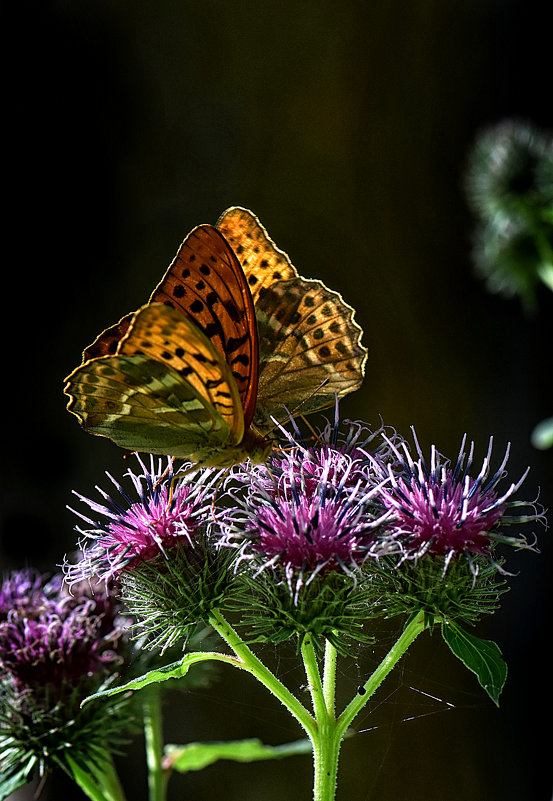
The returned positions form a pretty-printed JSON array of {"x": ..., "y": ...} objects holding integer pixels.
[
  {"x": 263, "y": 263},
  {"x": 206, "y": 283}
]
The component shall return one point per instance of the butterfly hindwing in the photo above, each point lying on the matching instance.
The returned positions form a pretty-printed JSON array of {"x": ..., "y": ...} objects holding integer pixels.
[
  {"x": 310, "y": 349},
  {"x": 184, "y": 403}
]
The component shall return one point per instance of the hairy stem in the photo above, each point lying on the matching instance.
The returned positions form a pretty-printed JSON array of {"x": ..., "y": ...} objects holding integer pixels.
[
  {"x": 153, "y": 735},
  {"x": 248, "y": 661}
]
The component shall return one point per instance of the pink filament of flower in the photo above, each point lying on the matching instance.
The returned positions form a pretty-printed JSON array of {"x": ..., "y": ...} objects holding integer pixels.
[
  {"x": 446, "y": 515},
  {"x": 308, "y": 534},
  {"x": 150, "y": 526}
]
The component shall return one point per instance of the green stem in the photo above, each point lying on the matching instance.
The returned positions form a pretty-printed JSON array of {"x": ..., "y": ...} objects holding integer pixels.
[
  {"x": 411, "y": 631},
  {"x": 153, "y": 735},
  {"x": 325, "y": 731},
  {"x": 326, "y": 752},
  {"x": 249, "y": 662},
  {"x": 545, "y": 272},
  {"x": 539, "y": 224},
  {"x": 329, "y": 677},
  {"x": 313, "y": 678},
  {"x": 326, "y": 746},
  {"x": 331, "y": 730}
]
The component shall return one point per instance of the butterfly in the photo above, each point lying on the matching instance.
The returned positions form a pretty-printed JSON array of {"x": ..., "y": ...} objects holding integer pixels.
[{"x": 230, "y": 337}]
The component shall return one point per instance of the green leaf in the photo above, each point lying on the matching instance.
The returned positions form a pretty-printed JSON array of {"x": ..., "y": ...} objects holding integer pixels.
[
  {"x": 197, "y": 756},
  {"x": 483, "y": 657},
  {"x": 175, "y": 670}
]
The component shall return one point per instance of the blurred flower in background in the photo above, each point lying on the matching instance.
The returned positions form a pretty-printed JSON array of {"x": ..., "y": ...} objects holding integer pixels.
[
  {"x": 55, "y": 649},
  {"x": 510, "y": 188},
  {"x": 509, "y": 185}
]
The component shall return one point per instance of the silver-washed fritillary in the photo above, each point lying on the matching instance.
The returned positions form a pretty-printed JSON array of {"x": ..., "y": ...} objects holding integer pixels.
[{"x": 230, "y": 336}]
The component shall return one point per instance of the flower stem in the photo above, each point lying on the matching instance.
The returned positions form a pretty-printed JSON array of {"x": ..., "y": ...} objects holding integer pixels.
[
  {"x": 326, "y": 746},
  {"x": 325, "y": 731},
  {"x": 329, "y": 676},
  {"x": 153, "y": 735},
  {"x": 249, "y": 662},
  {"x": 331, "y": 730},
  {"x": 411, "y": 631},
  {"x": 313, "y": 679}
]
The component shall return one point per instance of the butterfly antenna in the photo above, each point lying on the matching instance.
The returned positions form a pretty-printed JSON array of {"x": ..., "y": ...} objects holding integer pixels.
[
  {"x": 316, "y": 437},
  {"x": 311, "y": 394},
  {"x": 266, "y": 435}
]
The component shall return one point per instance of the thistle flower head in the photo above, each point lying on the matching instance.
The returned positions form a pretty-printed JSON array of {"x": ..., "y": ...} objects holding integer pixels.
[
  {"x": 164, "y": 512},
  {"x": 322, "y": 453},
  {"x": 449, "y": 509},
  {"x": 511, "y": 163},
  {"x": 310, "y": 509},
  {"x": 50, "y": 641}
]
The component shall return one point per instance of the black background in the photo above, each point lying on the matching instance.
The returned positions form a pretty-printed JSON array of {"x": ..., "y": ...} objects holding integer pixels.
[{"x": 345, "y": 127}]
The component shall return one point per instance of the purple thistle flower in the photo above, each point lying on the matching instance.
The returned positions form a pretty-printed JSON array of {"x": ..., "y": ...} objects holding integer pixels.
[
  {"x": 323, "y": 452},
  {"x": 49, "y": 640},
  {"x": 440, "y": 509},
  {"x": 55, "y": 649},
  {"x": 21, "y": 589},
  {"x": 309, "y": 510},
  {"x": 127, "y": 532}
]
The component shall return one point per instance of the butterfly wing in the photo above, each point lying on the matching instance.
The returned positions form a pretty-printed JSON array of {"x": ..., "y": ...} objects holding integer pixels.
[
  {"x": 310, "y": 349},
  {"x": 206, "y": 283},
  {"x": 309, "y": 344},
  {"x": 262, "y": 261},
  {"x": 107, "y": 342},
  {"x": 167, "y": 390}
]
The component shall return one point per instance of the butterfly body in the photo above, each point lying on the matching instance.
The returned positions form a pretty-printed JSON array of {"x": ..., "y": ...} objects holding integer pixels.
[{"x": 230, "y": 336}]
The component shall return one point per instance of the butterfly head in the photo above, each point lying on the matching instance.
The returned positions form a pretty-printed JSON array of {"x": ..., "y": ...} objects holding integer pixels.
[{"x": 260, "y": 449}]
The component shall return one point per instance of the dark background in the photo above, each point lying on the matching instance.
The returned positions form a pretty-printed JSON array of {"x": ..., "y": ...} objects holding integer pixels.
[{"x": 345, "y": 127}]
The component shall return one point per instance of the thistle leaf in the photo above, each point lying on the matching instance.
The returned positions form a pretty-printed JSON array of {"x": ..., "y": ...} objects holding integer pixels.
[{"x": 483, "y": 657}]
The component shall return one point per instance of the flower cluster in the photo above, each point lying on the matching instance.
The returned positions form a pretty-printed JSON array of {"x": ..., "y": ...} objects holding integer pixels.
[{"x": 333, "y": 529}]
